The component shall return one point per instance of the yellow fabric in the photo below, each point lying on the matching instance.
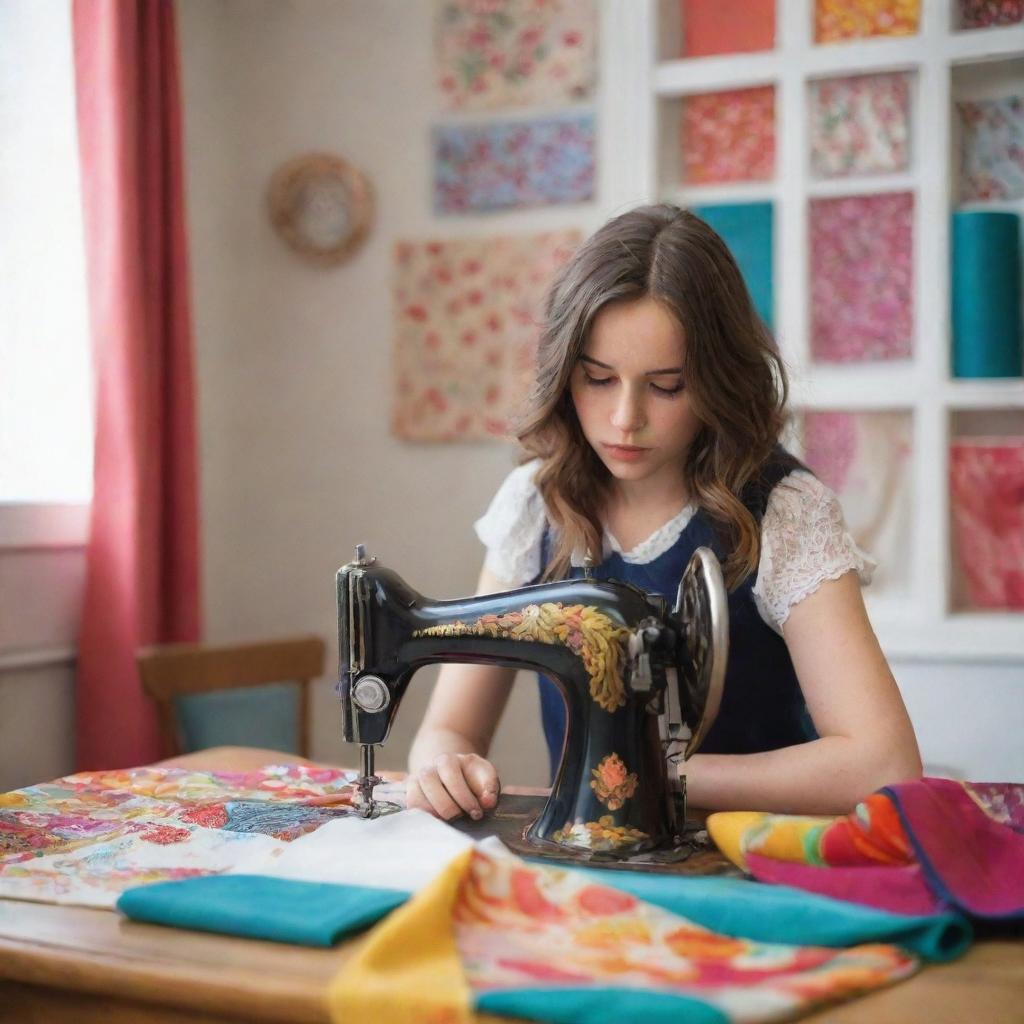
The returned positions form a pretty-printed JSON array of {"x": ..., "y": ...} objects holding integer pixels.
[
  {"x": 779, "y": 836},
  {"x": 409, "y": 970}
]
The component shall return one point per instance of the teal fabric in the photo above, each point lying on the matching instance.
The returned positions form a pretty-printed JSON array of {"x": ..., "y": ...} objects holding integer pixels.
[
  {"x": 986, "y": 269},
  {"x": 778, "y": 913},
  {"x": 747, "y": 229},
  {"x": 258, "y": 907},
  {"x": 250, "y": 716},
  {"x": 598, "y": 1006},
  {"x": 319, "y": 914}
]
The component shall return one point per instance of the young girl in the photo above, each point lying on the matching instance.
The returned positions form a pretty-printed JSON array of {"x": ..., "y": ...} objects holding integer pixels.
[{"x": 652, "y": 429}]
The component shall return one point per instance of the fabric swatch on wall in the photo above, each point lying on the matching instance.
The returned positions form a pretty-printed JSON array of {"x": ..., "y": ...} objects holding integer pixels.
[
  {"x": 467, "y": 318},
  {"x": 747, "y": 229},
  {"x": 514, "y": 53},
  {"x": 986, "y": 485},
  {"x": 836, "y": 20},
  {"x": 864, "y": 457},
  {"x": 992, "y": 148},
  {"x": 861, "y": 272},
  {"x": 860, "y": 124},
  {"x": 527, "y": 163},
  {"x": 990, "y": 13},
  {"x": 727, "y": 26},
  {"x": 729, "y": 136}
]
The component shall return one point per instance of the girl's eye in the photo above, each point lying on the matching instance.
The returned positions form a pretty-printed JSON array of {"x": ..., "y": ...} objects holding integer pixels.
[
  {"x": 668, "y": 391},
  {"x": 597, "y": 381}
]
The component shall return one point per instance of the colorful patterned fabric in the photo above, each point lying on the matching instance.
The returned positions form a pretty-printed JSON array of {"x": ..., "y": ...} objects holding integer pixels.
[
  {"x": 861, "y": 266},
  {"x": 860, "y": 124},
  {"x": 514, "y": 53},
  {"x": 500, "y": 166},
  {"x": 836, "y": 20},
  {"x": 467, "y": 320},
  {"x": 917, "y": 847},
  {"x": 729, "y": 136},
  {"x": 989, "y": 13},
  {"x": 86, "y": 838},
  {"x": 496, "y": 934},
  {"x": 991, "y": 148}
]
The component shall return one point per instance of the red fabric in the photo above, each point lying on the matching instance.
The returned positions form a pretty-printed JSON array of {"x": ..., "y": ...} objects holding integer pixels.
[
  {"x": 142, "y": 579},
  {"x": 727, "y": 26}
]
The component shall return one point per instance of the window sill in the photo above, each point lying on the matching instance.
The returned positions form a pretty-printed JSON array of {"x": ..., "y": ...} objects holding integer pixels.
[{"x": 25, "y": 526}]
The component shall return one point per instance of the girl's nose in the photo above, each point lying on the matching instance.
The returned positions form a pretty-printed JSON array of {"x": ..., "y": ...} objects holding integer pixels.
[{"x": 628, "y": 414}]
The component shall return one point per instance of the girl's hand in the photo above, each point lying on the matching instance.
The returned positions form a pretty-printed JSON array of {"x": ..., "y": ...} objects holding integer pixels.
[{"x": 453, "y": 784}]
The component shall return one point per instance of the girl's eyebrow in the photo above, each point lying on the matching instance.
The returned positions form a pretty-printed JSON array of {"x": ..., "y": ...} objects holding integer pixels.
[{"x": 649, "y": 373}]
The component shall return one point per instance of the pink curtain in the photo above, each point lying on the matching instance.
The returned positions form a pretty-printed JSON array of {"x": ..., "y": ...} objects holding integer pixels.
[{"x": 142, "y": 579}]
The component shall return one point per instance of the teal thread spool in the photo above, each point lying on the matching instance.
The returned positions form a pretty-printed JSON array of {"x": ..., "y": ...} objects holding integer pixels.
[{"x": 986, "y": 286}]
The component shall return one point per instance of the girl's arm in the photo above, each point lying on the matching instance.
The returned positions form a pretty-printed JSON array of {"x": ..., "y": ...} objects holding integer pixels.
[
  {"x": 448, "y": 770},
  {"x": 866, "y": 739}
]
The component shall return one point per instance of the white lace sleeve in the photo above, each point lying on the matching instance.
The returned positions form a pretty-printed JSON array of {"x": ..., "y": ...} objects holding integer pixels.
[
  {"x": 804, "y": 542},
  {"x": 512, "y": 527}
]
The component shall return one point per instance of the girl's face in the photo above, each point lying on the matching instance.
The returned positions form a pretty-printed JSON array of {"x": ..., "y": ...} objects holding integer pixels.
[{"x": 630, "y": 396}]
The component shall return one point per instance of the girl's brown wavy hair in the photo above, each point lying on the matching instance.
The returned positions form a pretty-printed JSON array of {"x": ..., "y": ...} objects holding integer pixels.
[{"x": 733, "y": 373}]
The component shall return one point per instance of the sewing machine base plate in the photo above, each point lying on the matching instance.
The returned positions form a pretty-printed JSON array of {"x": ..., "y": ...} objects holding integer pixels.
[{"x": 513, "y": 816}]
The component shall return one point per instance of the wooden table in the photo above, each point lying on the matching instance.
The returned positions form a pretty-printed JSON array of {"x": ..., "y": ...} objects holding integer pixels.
[{"x": 60, "y": 965}]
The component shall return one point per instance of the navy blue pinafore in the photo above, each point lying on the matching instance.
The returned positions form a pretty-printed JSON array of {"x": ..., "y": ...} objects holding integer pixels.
[{"x": 762, "y": 706}]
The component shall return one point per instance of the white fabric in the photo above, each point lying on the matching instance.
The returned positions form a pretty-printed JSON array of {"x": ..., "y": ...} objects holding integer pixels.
[
  {"x": 366, "y": 851},
  {"x": 804, "y": 540}
]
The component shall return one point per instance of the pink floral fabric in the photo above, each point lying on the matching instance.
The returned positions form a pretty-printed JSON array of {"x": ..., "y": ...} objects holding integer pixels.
[
  {"x": 992, "y": 148},
  {"x": 861, "y": 271},
  {"x": 837, "y": 20},
  {"x": 860, "y": 124},
  {"x": 468, "y": 314},
  {"x": 989, "y": 13},
  {"x": 864, "y": 457},
  {"x": 513, "y": 53},
  {"x": 729, "y": 136},
  {"x": 987, "y": 490}
]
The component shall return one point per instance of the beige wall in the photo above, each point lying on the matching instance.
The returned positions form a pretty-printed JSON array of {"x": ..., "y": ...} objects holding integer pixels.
[{"x": 294, "y": 361}]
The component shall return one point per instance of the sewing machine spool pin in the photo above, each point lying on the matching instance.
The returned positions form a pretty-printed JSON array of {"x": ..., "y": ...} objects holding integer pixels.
[{"x": 640, "y": 680}]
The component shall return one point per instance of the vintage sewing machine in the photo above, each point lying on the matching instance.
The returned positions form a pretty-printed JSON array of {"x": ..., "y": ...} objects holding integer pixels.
[{"x": 642, "y": 683}]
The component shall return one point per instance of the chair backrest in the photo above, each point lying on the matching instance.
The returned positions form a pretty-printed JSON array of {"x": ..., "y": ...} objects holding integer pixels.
[{"x": 173, "y": 671}]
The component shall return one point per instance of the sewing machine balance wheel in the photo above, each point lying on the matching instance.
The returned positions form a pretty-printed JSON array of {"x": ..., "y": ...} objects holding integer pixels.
[{"x": 703, "y": 609}]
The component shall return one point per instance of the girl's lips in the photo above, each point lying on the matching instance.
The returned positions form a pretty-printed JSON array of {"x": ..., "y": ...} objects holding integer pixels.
[{"x": 626, "y": 453}]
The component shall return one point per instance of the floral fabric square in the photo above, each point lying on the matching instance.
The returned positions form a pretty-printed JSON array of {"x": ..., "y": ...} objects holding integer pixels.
[
  {"x": 990, "y": 13},
  {"x": 514, "y": 53},
  {"x": 986, "y": 488},
  {"x": 861, "y": 268},
  {"x": 727, "y": 26},
  {"x": 729, "y": 136},
  {"x": 501, "y": 166},
  {"x": 836, "y": 20},
  {"x": 860, "y": 125},
  {"x": 865, "y": 458},
  {"x": 468, "y": 315},
  {"x": 992, "y": 148}
]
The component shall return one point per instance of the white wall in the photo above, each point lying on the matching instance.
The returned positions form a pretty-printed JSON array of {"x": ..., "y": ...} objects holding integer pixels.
[{"x": 293, "y": 369}]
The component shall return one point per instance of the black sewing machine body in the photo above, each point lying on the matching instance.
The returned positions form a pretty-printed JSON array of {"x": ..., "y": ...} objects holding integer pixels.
[{"x": 641, "y": 681}]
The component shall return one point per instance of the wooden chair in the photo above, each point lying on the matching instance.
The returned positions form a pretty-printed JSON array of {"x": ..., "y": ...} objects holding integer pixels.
[{"x": 174, "y": 671}]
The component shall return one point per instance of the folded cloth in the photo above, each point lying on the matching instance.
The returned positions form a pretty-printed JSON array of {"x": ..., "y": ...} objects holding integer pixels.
[
  {"x": 255, "y": 907},
  {"x": 286, "y": 896},
  {"x": 918, "y": 847},
  {"x": 780, "y": 913},
  {"x": 313, "y": 891},
  {"x": 496, "y": 934}
]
